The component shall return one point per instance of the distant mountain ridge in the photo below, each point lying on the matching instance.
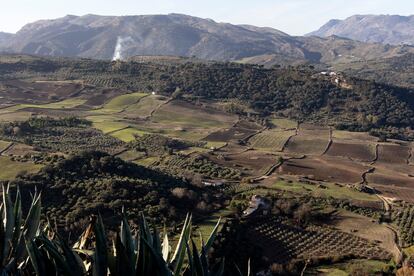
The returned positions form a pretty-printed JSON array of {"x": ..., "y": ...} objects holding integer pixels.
[
  {"x": 385, "y": 29},
  {"x": 5, "y": 37},
  {"x": 105, "y": 37}
]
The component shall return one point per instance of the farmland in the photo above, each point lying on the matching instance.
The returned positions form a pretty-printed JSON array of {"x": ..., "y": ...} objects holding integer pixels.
[{"x": 325, "y": 186}]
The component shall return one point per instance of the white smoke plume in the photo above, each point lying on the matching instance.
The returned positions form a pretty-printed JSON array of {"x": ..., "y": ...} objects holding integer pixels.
[{"x": 121, "y": 42}]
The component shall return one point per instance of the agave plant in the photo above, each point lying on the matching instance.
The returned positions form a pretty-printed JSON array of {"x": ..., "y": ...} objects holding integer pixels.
[
  {"x": 15, "y": 231},
  {"x": 139, "y": 254},
  {"x": 27, "y": 249}
]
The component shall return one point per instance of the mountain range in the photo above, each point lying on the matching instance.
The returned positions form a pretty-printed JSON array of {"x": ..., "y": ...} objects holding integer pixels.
[
  {"x": 106, "y": 37},
  {"x": 385, "y": 29}
]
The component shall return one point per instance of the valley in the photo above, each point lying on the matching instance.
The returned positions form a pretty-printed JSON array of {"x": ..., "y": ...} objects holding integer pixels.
[{"x": 168, "y": 147}]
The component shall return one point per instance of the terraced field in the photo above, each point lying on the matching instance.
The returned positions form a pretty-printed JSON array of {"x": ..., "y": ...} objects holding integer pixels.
[
  {"x": 327, "y": 169},
  {"x": 393, "y": 154},
  {"x": 359, "y": 151},
  {"x": 271, "y": 140},
  {"x": 310, "y": 140},
  {"x": 121, "y": 103}
]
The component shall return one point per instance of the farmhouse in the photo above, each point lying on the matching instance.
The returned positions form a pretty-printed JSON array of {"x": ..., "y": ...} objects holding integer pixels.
[{"x": 257, "y": 203}]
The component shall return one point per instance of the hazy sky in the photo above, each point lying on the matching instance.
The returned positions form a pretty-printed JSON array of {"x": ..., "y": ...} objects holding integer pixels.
[{"x": 295, "y": 17}]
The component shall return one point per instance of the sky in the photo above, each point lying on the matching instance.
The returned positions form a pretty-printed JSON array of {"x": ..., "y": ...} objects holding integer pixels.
[{"x": 295, "y": 17}]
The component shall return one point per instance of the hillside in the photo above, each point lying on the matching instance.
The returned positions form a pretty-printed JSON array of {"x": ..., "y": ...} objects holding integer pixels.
[
  {"x": 394, "y": 70},
  {"x": 298, "y": 93},
  {"x": 107, "y": 37},
  {"x": 385, "y": 29}
]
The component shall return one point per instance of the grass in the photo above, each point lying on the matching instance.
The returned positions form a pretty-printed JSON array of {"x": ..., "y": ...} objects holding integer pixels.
[
  {"x": 10, "y": 169},
  {"x": 146, "y": 161},
  {"x": 4, "y": 144},
  {"x": 130, "y": 155},
  {"x": 65, "y": 104},
  {"x": 409, "y": 251},
  {"x": 15, "y": 116},
  {"x": 128, "y": 134},
  {"x": 120, "y": 103},
  {"x": 284, "y": 123},
  {"x": 331, "y": 190},
  {"x": 205, "y": 227},
  {"x": 106, "y": 123},
  {"x": 216, "y": 145},
  {"x": 145, "y": 106}
]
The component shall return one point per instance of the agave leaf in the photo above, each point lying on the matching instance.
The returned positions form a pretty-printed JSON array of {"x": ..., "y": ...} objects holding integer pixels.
[
  {"x": 143, "y": 264},
  {"x": 165, "y": 247},
  {"x": 198, "y": 266},
  {"x": 36, "y": 258},
  {"x": 248, "y": 268},
  {"x": 123, "y": 263},
  {"x": 178, "y": 258},
  {"x": 2, "y": 244},
  {"x": 17, "y": 213},
  {"x": 127, "y": 239},
  {"x": 160, "y": 266},
  {"x": 100, "y": 266},
  {"x": 219, "y": 269},
  {"x": 60, "y": 261},
  {"x": 8, "y": 220},
  {"x": 145, "y": 231},
  {"x": 72, "y": 258},
  {"x": 212, "y": 237},
  {"x": 156, "y": 241},
  {"x": 31, "y": 224},
  {"x": 83, "y": 239},
  {"x": 190, "y": 270}
]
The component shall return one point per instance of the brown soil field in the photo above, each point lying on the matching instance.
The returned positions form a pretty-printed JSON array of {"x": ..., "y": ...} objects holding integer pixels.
[
  {"x": 18, "y": 91},
  {"x": 364, "y": 227},
  {"x": 384, "y": 176},
  {"x": 327, "y": 169},
  {"x": 241, "y": 130},
  {"x": 394, "y": 154},
  {"x": 355, "y": 151},
  {"x": 411, "y": 160},
  {"x": 306, "y": 145}
]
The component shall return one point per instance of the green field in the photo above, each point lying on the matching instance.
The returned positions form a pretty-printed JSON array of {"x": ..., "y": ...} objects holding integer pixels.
[
  {"x": 145, "y": 106},
  {"x": 4, "y": 144},
  {"x": 9, "y": 168},
  {"x": 107, "y": 123},
  {"x": 130, "y": 155},
  {"x": 128, "y": 134},
  {"x": 284, "y": 123},
  {"x": 120, "y": 103},
  {"x": 146, "y": 161},
  {"x": 15, "y": 116}
]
